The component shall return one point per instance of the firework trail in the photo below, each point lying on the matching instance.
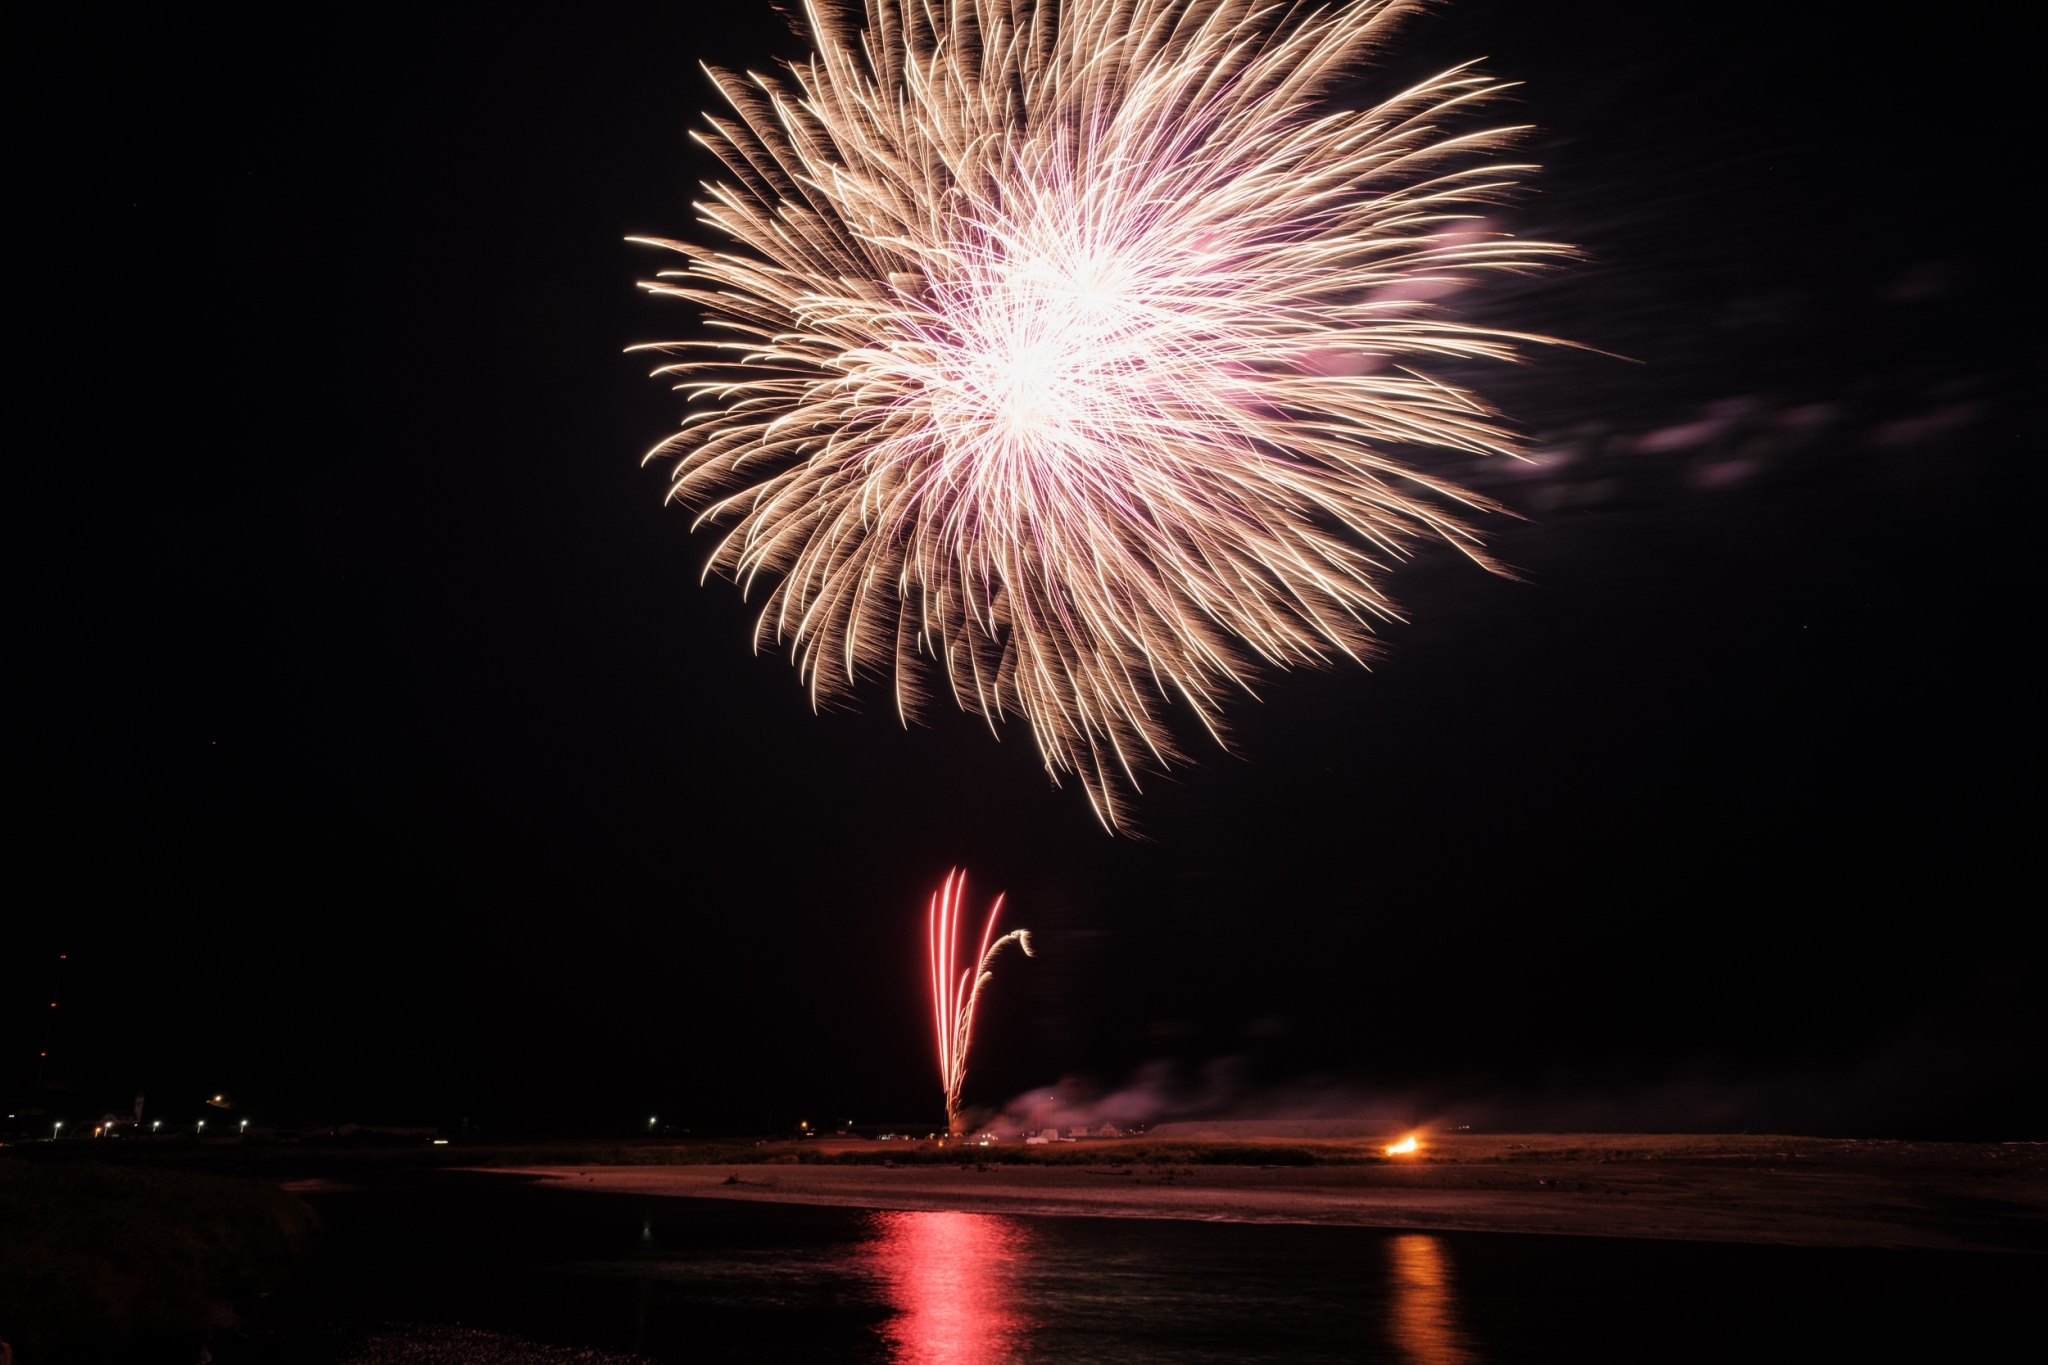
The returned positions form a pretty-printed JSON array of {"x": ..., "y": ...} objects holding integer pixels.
[
  {"x": 1067, "y": 353},
  {"x": 955, "y": 989}
]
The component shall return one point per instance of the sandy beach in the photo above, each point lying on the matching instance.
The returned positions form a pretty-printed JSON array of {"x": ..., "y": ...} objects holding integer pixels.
[{"x": 1793, "y": 1191}]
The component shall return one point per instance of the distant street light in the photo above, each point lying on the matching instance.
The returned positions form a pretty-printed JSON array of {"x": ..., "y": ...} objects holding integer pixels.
[
  {"x": 650, "y": 1125},
  {"x": 58, "y": 1128},
  {"x": 202, "y": 1125}
]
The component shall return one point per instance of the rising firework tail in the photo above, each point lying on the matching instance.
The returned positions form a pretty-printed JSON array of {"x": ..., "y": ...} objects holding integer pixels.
[
  {"x": 956, "y": 991},
  {"x": 1076, "y": 357}
]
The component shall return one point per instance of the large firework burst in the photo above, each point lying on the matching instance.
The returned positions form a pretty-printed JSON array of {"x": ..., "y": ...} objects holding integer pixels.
[{"x": 1067, "y": 351}]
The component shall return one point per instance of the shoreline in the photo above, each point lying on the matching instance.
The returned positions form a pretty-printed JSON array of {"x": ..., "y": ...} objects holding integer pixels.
[{"x": 1792, "y": 1192}]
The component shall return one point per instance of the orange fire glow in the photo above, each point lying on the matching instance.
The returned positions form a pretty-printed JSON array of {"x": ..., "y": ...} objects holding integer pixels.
[{"x": 1403, "y": 1147}]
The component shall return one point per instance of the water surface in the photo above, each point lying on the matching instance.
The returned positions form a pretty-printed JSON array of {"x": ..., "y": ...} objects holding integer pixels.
[{"x": 470, "y": 1269}]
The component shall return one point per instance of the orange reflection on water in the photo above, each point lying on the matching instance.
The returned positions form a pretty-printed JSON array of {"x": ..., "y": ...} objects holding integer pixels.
[
  {"x": 952, "y": 1279},
  {"x": 1424, "y": 1317}
]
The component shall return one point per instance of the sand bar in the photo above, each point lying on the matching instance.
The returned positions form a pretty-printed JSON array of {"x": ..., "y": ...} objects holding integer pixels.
[{"x": 1793, "y": 1191}]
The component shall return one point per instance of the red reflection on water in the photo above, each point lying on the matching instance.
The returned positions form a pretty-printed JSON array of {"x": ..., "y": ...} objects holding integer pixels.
[
  {"x": 1425, "y": 1311},
  {"x": 951, "y": 1278}
]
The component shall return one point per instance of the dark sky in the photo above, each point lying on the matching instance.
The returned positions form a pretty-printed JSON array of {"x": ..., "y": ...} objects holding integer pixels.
[{"x": 376, "y": 752}]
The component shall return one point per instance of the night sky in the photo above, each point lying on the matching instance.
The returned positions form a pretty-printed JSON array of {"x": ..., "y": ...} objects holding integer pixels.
[{"x": 377, "y": 755}]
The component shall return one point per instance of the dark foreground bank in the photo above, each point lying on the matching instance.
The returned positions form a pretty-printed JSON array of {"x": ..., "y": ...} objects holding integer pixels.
[{"x": 107, "y": 1262}]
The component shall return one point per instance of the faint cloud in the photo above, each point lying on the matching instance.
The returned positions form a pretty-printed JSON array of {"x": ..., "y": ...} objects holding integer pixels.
[{"x": 1926, "y": 426}]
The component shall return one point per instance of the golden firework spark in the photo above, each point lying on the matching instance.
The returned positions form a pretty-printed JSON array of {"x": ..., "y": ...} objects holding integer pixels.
[{"x": 1069, "y": 353}]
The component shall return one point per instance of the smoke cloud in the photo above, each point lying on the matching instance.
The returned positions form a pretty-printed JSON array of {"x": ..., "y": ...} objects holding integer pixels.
[{"x": 1916, "y": 1089}]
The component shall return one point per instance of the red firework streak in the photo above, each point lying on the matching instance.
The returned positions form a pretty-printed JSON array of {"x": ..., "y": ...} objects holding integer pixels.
[{"x": 955, "y": 989}]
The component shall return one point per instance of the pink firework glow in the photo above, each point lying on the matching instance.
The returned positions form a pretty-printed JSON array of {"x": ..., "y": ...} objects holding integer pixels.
[
  {"x": 1078, "y": 359},
  {"x": 956, "y": 989},
  {"x": 953, "y": 1279}
]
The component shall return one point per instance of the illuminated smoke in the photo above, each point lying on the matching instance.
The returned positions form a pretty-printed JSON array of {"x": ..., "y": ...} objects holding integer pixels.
[{"x": 1073, "y": 357}]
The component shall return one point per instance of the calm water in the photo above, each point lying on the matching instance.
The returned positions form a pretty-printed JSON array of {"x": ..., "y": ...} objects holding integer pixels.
[{"x": 473, "y": 1269}]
